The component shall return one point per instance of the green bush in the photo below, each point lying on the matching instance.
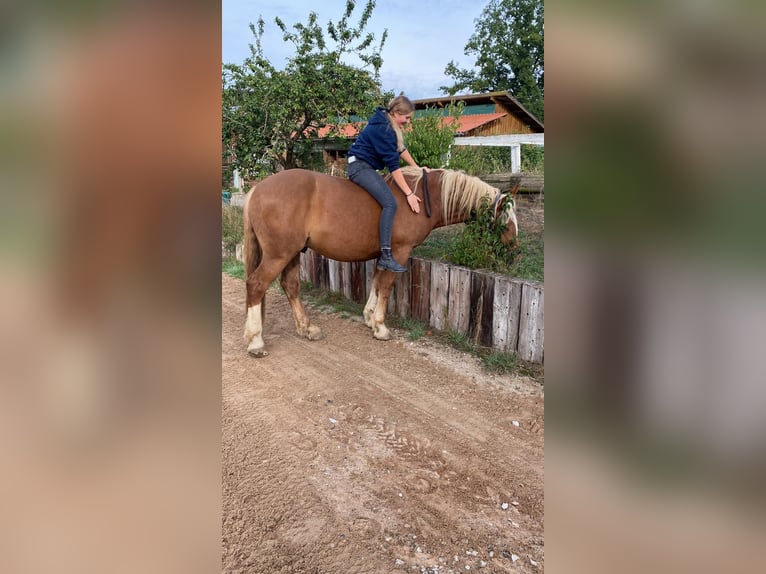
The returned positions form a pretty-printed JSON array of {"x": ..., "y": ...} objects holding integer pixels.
[
  {"x": 472, "y": 246},
  {"x": 429, "y": 138},
  {"x": 479, "y": 246},
  {"x": 227, "y": 174}
]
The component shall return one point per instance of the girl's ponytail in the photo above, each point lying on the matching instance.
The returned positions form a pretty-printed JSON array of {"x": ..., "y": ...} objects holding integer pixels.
[{"x": 402, "y": 105}]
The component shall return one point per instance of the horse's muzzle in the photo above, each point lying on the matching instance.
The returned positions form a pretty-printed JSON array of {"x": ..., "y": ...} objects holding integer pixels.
[{"x": 510, "y": 237}]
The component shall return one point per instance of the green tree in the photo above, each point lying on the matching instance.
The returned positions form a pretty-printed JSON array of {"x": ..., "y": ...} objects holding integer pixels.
[
  {"x": 509, "y": 48},
  {"x": 269, "y": 116},
  {"x": 429, "y": 138}
]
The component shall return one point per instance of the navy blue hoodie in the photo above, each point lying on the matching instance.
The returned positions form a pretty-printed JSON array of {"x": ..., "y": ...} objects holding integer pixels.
[{"x": 376, "y": 144}]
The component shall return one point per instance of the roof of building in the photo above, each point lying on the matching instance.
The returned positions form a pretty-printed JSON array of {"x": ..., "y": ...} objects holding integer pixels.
[
  {"x": 350, "y": 130},
  {"x": 468, "y": 121},
  {"x": 504, "y": 98},
  {"x": 465, "y": 124},
  {"x": 471, "y": 122}
]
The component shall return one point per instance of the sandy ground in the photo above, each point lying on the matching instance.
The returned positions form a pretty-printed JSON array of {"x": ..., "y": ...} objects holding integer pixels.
[{"x": 351, "y": 455}]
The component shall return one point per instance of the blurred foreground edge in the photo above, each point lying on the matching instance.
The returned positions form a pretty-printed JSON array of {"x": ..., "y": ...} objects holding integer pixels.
[{"x": 111, "y": 346}]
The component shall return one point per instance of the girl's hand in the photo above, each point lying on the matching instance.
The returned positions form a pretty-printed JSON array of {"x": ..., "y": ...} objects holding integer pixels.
[{"x": 414, "y": 202}]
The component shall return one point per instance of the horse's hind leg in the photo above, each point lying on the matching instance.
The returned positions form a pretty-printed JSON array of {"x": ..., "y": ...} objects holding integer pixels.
[
  {"x": 290, "y": 282},
  {"x": 257, "y": 284},
  {"x": 372, "y": 301}
]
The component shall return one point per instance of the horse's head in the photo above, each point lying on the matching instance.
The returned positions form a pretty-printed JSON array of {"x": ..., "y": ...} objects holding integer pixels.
[
  {"x": 461, "y": 194},
  {"x": 504, "y": 211}
]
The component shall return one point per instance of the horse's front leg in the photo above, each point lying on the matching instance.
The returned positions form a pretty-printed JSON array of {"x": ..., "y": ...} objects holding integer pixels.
[
  {"x": 290, "y": 282},
  {"x": 384, "y": 283}
]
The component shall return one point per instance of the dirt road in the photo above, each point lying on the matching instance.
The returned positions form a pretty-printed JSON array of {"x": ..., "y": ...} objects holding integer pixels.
[{"x": 350, "y": 455}]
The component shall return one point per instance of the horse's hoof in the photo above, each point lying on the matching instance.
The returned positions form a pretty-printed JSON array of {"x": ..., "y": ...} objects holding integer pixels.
[
  {"x": 382, "y": 334},
  {"x": 314, "y": 333},
  {"x": 258, "y": 353}
]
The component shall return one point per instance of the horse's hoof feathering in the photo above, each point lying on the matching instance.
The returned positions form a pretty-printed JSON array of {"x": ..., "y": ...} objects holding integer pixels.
[{"x": 381, "y": 333}]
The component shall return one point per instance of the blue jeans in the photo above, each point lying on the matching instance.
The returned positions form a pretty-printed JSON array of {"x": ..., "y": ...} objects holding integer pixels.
[{"x": 363, "y": 174}]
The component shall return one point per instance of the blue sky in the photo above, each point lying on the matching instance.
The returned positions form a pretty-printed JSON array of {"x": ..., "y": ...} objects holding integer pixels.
[{"x": 423, "y": 35}]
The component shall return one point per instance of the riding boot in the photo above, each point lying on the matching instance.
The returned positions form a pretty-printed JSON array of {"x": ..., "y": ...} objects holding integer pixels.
[{"x": 387, "y": 262}]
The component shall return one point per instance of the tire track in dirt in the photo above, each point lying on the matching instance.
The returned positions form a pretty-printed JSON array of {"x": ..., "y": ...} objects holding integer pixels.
[{"x": 355, "y": 455}]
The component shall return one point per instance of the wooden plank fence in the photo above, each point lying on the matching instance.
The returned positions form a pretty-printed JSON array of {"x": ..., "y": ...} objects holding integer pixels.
[
  {"x": 494, "y": 310},
  {"x": 497, "y": 311},
  {"x": 527, "y": 182}
]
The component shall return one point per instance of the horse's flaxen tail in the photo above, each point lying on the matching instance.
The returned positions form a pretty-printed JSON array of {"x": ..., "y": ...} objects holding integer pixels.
[{"x": 251, "y": 249}]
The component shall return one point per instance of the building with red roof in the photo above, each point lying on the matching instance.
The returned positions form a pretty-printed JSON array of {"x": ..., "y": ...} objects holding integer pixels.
[{"x": 493, "y": 116}]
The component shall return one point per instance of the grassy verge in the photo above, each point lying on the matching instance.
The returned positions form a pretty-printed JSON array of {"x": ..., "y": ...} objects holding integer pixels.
[
  {"x": 330, "y": 301},
  {"x": 530, "y": 262},
  {"x": 493, "y": 361},
  {"x": 234, "y": 268}
]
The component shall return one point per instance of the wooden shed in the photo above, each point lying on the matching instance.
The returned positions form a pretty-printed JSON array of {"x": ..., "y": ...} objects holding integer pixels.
[
  {"x": 492, "y": 114},
  {"x": 484, "y": 115}
]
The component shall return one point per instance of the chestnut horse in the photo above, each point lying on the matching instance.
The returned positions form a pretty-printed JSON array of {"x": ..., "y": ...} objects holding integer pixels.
[{"x": 296, "y": 209}]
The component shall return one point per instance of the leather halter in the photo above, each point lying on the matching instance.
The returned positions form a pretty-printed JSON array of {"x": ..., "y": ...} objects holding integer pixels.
[{"x": 495, "y": 203}]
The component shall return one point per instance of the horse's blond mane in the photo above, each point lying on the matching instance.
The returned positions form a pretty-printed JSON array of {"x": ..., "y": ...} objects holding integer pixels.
[{"x": 461, "y": 193}]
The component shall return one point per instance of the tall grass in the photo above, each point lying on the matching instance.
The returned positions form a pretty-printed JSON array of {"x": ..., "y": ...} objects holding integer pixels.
[
  {"x": 529, "y": 262},
  {"x": 232, "y": 226},
  {"x": 480, "y": 160},
  {"x": 233, "y": 267}
]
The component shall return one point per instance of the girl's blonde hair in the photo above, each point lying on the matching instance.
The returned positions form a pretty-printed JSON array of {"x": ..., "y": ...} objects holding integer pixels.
[{"x": 402, "y": 105}]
